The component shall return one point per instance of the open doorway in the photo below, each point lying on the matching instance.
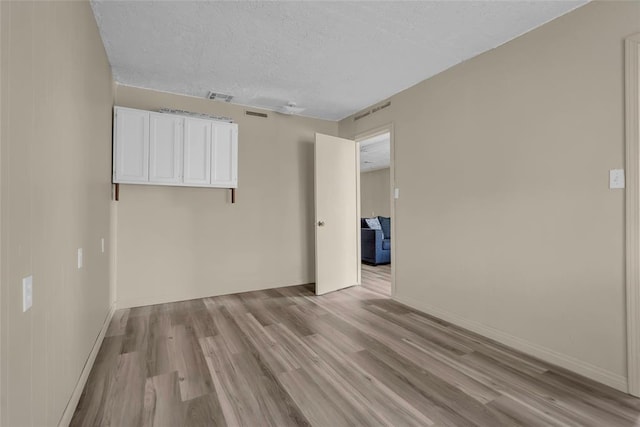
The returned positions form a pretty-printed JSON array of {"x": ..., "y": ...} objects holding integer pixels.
[{"x": 375, "y": 210}]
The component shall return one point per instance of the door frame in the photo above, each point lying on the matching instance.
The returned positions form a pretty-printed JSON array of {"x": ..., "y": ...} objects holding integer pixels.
[
  {"x": 632, "y": 201},
  {"x": 388, "y": 128}
]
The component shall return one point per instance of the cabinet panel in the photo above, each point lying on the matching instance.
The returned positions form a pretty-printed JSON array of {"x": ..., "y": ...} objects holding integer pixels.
[
  {"x": 169, "y": 149},
  {"x": 197, "y": 151},
  {"x": 165, "y": 148},
  {"x": 131, "y": 146},
  {"x": 224, "y": 155}
]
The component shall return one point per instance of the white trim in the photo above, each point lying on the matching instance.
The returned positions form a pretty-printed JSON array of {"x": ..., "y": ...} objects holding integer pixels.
[
  {"x": 358, "y": 216},
  {"x": 2, "y": 344},
  {"x": 67, "y": 415},
  {"x": 394, "y": 221},
  {"x": 619, "y": 382},
  {"x": 388, "y": 128},
  {"x": 632, "y": 233}
]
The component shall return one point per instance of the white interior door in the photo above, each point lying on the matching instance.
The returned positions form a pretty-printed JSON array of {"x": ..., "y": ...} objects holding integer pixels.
[{"x": 337, "y": 217}]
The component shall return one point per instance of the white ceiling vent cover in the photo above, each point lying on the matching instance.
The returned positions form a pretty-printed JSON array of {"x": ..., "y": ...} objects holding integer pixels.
[
  {"x": 219, "y": 96},
  {"x": 291, "y": 108}
]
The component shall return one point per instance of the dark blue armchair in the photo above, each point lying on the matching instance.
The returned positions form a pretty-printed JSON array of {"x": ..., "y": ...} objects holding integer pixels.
[{"x": 376, "y": 244}]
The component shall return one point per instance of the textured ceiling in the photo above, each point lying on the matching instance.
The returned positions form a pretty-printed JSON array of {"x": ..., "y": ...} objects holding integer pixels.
[
  {"x": 330, "y": 58},
  {"x": 375, "y": 153}
]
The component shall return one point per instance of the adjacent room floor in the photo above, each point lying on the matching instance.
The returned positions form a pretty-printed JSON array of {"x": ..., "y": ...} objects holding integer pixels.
[
  {"x": 353, "y": 357},
  {"x": 377, "y": 278}
]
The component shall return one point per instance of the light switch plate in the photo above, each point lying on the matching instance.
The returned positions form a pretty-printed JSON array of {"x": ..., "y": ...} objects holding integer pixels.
[
  {"x": 80, "y": 258},
  {"x": 616, "y": 178},
  {"x": 102, "y": 244},
  {"x": 27, "y": 293},
  {"x": 396, "y": 193}
]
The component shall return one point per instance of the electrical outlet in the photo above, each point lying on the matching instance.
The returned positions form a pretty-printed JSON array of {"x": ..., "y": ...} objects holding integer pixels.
[
  {"x": 27, "y": 293},
  {"x": 616, "y": 178},
  {"x": 79, "y": 258}
]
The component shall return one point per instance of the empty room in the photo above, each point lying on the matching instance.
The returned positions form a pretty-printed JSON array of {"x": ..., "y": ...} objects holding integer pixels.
[{"x": 311, "y": 213}]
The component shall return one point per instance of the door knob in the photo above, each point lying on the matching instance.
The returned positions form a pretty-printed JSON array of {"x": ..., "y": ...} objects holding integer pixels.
[{"x": 320, "y": 223}]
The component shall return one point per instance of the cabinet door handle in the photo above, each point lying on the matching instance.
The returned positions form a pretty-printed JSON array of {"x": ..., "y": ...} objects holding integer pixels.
[{"x": 320, "y": 223}]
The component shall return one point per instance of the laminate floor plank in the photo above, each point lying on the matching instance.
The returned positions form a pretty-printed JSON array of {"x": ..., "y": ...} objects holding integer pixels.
[
  {"x": 396, "y": 339},
  {"x": 592, "y": 396},
  {"x": 522, "y": 388},
  {"x": 187, "y": 358},
  {"x": 299, "y": 350},
  {"x": 294, "y": 322},
  {"x": 578, "y": 382},
  {"x": 243, "y": 400},
  {"x": 125, "y": 399},
  {"x": 118, "y": 323},
  {"x": 441, "y": 339},
  {"x": 160, "y": 339},
  {"x": 343, "y": 342},
  {"x": 403, "y": 387},
  {"x": 377, "y": 278},
  {"x": 378, "y": 395},
  {"x": 202, "y": 323},
  {"x": 163, "y": 406},
  {"x": 278, "y": 358},
  {"x": 203, "y": 411},
  {"x": 136, "y": 335},
  {"x": 313, "y": 396},
  {"x": 482, "y": 345},
  {"x": 286, "y": 357},
  {"x": 276, "y": 407},
  {"x": 412, "y": 347},
  {"x": 393, "y": 331},
  {"x": 523, "y": 414},
  {"x": 237, "y": 402},
  {"x": 262, "y": 310},
  {"x": 452, "y": 400},
  {"x": 90, "y": 409}
]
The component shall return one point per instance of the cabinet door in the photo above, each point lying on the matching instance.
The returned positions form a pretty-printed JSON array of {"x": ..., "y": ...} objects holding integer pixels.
[
  {"x": 197, "y": 151},
  {"x": 165, "y": 148},
  {"x": 224, "y": 155},
  {"x": 131, "y": 146}
]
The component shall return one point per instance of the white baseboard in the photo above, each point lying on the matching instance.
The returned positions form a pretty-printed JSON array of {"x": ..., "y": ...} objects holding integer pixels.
[
  {"x": 578, "y": 366},
  {"x": 84, "y": 375}
]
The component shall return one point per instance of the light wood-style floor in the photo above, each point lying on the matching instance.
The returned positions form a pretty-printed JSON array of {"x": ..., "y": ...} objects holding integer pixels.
[
  {"x": 377, "y": 278},
  {"x": 286, "y": 357}
]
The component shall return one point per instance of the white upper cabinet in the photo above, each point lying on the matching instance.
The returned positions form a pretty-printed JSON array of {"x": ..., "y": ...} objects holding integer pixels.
[
  {"x": 131, "y": 146},
  {"x": 197, "y": 151},
  {"x": 165, "y": 148},
  {"x": 224, "y": 155},
  {"x": 169, "y": 149}
]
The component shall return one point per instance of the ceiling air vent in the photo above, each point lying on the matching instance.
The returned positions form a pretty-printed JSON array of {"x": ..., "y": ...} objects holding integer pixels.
[
  {"x": 219, "y": 97},
  {"x": 361, "y": 116},
  {"x": 256, "y": 114},
  {"x": 290, "y": 108},
  {"x": 380, "y": 107},
  {"x": 372, "y": 111}
]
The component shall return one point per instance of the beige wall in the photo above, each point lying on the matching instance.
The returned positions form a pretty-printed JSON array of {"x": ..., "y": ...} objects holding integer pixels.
[
  {"x": 375, "y": 193},
  {"x": 55, "y": 135},
  {"x": 505, "y": 223},
  {"x": 179, "y": 243}
]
